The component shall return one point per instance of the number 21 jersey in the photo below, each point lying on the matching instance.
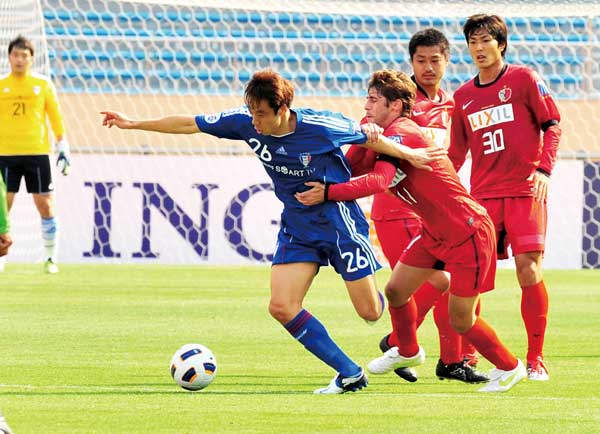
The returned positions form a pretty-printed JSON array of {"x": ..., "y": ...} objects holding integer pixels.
[{"x": 24, "y": 104}]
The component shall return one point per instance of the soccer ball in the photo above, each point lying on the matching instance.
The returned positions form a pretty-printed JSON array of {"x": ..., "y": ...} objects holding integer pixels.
[{"x": 193, "y": 367}]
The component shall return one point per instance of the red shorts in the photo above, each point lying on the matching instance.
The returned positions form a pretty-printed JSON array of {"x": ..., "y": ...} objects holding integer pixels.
[
  {"x": 520, "y": 223},
  {"x": 471, "y": 264},
  {"x": 395, "y": 235}
]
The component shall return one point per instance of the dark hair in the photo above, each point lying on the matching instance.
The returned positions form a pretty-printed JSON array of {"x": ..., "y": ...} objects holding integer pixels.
[
  {"x": 428, "y": 38},
  {"x": 269, "y": 86},
  {"x": 394, "y": 85},
  {"x": 22, "y": 43},
  {"x": 493, "y": 24}
]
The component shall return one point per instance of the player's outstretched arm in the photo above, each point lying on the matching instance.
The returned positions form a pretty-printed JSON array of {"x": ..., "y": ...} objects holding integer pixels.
[
  {"x": 418, "y": 157},
  {"x": 374, "y": 182},
  {"x": 361, "y": 160},
  {"x": 175, "y": 124}
]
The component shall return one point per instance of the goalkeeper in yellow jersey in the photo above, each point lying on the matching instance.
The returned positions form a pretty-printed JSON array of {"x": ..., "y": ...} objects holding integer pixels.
[{"x": 26, "y": 99}]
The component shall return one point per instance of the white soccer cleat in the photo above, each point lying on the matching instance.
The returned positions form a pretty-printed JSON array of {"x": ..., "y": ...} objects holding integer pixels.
[
  {"x": 4, "y": 428},
  {"x": 341, "y": 384},
  {"x": 501, "y": 381},
  {"x": 50, "y": 267},
  {"x": 536, "y": 370},
  {"x": 391, "y": 360}
]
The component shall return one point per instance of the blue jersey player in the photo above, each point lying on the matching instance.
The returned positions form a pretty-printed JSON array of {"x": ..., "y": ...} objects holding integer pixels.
[{"x": 295, "y": 147}]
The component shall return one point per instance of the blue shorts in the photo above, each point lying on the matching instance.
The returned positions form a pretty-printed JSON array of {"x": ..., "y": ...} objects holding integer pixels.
[{"x": 338, "y": 234}]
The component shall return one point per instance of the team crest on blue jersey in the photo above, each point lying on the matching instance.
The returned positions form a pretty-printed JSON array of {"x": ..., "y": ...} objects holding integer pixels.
[
  {"x": 305, "y": 158},
  {"x": 542, "y": 89},
  {"x": 505, "y": 94},
  {"x": 211, "y": 119}
]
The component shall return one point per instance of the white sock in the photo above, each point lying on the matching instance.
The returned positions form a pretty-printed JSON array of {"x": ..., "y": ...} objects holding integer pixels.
[{"x": 50, "y": 237}]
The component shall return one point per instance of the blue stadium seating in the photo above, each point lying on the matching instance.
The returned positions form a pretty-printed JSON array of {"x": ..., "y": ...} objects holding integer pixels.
[{"x": 150, "y": 47}]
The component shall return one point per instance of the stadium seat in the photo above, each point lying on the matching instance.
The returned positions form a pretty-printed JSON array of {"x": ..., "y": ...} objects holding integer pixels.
[{"x": 326, "y": 52}]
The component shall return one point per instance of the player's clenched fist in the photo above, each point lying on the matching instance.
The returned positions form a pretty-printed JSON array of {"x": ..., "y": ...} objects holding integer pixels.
[{"x": 372, "y": 131}]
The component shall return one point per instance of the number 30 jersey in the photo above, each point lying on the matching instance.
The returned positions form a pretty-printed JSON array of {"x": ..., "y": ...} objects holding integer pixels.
[
  {"x": 501, "y": 124},
  {"x": 24, "y": 104}
]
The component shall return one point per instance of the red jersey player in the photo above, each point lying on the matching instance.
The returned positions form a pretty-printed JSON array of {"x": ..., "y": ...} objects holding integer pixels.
[
  {"x": 396, "y": 224},
  {"x": 457, "y": 235},
  {"x": 501, "y": 116}
]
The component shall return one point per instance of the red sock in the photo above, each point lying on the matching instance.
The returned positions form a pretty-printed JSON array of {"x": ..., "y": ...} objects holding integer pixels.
[
  {"x": 405, "y": 328},
  {"x": 487, "y": 343},
  {"x": 534, "y": 310},
  {"x": 393, "y": 339},
  {"x": 468, "y": 349},
  {"x": 425, "y": 297},
  {"x": 450, "y": 339}
]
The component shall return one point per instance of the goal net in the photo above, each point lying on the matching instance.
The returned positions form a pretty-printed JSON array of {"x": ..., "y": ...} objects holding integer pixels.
[
  {"x": 136, "y": 196},
  {"x": 24, "y": 17}
]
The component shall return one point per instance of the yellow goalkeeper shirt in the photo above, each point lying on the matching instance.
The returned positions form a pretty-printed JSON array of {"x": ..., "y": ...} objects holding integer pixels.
[{"x": 24, "y": 104}]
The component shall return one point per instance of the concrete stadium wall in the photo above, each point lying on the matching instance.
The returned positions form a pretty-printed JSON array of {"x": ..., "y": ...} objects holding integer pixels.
[{"x": 579, "y": 120}]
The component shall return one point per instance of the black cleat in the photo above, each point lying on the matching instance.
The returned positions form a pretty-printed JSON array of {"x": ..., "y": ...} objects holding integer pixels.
[
  {"x": 407, "y": 374},
  {"x": 459, "y": 371}
]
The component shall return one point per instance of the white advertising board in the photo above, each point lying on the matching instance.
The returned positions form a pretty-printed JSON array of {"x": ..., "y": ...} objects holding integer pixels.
[{"x": 209, "y": 210}]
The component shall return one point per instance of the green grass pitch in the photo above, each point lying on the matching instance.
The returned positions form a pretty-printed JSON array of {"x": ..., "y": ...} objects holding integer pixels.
[{"x": 88, "y": 351}]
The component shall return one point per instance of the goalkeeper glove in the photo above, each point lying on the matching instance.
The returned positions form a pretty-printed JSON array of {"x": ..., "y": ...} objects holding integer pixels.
[{"x": 64, "y": 157}]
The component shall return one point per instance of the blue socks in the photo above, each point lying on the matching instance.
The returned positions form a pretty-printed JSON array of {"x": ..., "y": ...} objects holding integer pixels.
[
  {"x": 50, "y": 237},
  {"x": 309, "y": 331}
]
